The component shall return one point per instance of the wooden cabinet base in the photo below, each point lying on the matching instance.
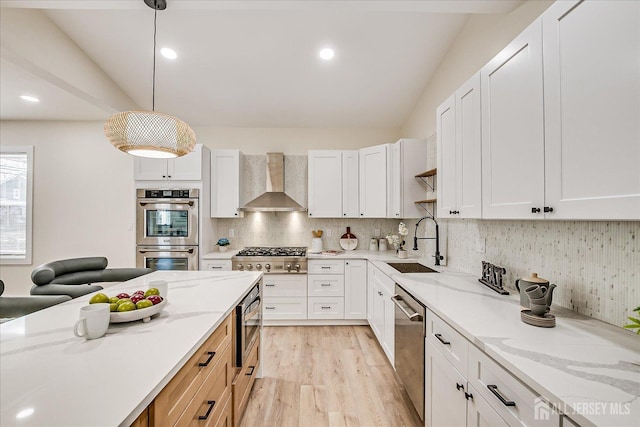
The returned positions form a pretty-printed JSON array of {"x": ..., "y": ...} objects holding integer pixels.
[{"x": 243, "y": 383}]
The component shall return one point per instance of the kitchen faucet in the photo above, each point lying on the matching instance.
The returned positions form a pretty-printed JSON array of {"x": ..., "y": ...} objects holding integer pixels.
[{"x": 437, "y": 256}]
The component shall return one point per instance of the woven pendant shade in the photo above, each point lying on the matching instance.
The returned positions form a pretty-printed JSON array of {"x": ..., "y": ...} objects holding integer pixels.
[{"x": 149, "y": 134}]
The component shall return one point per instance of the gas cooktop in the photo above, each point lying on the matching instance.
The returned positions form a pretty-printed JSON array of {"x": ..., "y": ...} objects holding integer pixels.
[{"x": 273, "y": 252}]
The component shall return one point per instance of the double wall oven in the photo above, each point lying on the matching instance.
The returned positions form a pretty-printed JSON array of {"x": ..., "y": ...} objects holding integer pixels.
[{"x": 167, "y": 229}]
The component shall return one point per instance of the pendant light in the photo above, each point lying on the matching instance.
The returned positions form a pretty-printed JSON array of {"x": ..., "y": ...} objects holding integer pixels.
[{"x": 148, "y": 133}]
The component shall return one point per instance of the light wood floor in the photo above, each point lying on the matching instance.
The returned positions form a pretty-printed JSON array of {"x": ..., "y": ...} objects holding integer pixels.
[{"x": 326, "y": 376}]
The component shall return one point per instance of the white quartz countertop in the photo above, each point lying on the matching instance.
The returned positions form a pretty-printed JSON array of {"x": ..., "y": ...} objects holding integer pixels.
[
  {"x": 369, "y": 255},
  {"x": 588, "y": 368},
  {"x": 49, "y": 377}
]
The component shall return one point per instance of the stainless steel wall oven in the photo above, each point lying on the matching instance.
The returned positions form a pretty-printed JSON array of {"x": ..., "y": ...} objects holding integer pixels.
[{"x": 167, "y": 229}]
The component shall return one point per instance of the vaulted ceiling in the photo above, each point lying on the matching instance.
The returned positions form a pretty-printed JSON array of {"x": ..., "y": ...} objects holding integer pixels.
[{"x": 240, "y": 63}]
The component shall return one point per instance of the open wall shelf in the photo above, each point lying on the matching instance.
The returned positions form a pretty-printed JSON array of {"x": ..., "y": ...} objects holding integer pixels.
[{"x": 428, "y": 176}]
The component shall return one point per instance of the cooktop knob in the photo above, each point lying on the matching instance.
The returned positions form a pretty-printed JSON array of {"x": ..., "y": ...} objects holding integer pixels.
[
  {"x": 288, "y": 267},
  {"x": 258, "y": 266},
  {"x": 297, "y": 266},
  {"x": 240, "y": 267},
  {"x": 249, "y": 267},
  {"x": 267, "y": 267}
]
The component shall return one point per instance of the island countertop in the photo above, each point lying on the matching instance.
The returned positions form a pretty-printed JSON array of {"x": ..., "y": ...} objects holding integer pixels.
[{"x": 50, "y": 377}]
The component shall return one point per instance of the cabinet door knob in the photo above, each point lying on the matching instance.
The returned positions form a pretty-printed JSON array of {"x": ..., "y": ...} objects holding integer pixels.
[
  {"x": 236, "y": 214},
  {"x": 535, "y": 210},
  {"x": 548, "y": 209}
]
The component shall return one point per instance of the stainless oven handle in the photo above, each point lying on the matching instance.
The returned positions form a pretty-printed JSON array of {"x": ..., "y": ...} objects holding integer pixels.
[
  {"x": 415, "y": 317},
  {"x": 190, "y": 203},
  {"x": 253, "y": 307},
  {"x": 144, "y": 251}
]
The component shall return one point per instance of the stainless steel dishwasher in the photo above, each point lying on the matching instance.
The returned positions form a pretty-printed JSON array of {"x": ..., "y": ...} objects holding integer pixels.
[{"x": 410, "y": 329}]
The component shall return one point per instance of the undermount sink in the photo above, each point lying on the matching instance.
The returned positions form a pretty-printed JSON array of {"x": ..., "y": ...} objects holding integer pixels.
[{"x": 411, "y": 267}]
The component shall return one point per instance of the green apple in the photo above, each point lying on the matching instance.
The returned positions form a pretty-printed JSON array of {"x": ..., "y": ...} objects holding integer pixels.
[
  {"x": 123, "y": 300},
  {"x": 143, "y": 303},
  {"x": 113, "y": 306},
  {"x": 99, "y": 299},
  {"x": 151, "y": 291},
  {"x": 126, "y": 306},
  {"x": 114, "y": 299}
]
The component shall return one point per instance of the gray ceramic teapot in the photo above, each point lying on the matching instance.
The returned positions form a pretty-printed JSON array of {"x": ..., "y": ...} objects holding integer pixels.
[{"x": 525, "y": 282}]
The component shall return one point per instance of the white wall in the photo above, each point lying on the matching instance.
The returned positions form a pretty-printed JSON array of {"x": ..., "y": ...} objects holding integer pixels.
[
  {"x": 84, "y": 190},
  {"x": 482, "y": 37},
  {"x": 596, "y": 265},
  {"x": 83, "y": 196}
]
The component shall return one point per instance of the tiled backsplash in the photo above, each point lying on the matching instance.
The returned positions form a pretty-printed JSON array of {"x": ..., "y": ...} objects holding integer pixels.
[
  {"x": 294, "y": 229},
  {"x": 595, "y": 264}
]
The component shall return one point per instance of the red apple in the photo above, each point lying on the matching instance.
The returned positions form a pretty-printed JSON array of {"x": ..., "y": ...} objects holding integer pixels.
[
  {"x": 155, "y": 299},
  {"x": 123, "y": 295},
  {"x": 136, "y": 297},
  {"x": 138, "y": 293}
]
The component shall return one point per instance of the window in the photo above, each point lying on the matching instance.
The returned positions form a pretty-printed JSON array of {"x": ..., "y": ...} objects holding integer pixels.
[{"x": 16, "y": 185}]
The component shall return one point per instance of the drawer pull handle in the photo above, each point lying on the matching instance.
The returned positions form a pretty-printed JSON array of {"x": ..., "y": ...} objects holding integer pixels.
[
  {"x": 460, "y": 386},
  {"x": 439, "y": 336},
  {"x": 252, "y": 368},
  {"x": 216, "y": 267},
  {"x": 211, "y": 404},
  {"x": 324, "y": 267},
  {"x": 325, "y": 284},
  {"x": 269, "y": 284},
  {"x": 324, "y": 307},
  {"x": 494, "y": 389},
  {"x": 269, "y": 308},
  {"x": 206, "y": 363},
  {"x": 468, "y": 396}
]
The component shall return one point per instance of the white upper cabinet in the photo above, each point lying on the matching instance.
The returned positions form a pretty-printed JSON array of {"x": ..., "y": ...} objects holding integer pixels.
[
  {"x": 226, "y": 175},
  {"x": 513, "y": 129},
  {"x": 468, "y": 152},
  {"x": 325, "y": 183},
  {"x": 186, "y": 168},
  {"x": 373, "y": 181},
  {"x": 408, "y": 158},
  {"x": 592, "y": 109},
  {"x": 446, "y": 141},
  {"x": 350, "y": 184},
  {"x": 333, "y": 184}
]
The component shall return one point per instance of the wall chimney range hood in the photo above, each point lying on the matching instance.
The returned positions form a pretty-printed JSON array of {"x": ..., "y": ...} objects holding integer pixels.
[{"x": 275, "y": 199}]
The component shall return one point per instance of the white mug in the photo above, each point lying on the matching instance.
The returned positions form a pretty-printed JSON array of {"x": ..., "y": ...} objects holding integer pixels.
[
  {"x": 94, "y": 321},
  {"x": 162, "y": 286}
]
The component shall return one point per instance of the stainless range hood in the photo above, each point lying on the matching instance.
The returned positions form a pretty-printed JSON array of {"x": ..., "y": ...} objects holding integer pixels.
[{"x": 275, "y": 199}]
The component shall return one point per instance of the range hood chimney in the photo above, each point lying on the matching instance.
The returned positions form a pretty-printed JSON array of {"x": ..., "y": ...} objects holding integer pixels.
[{"x": 275, "y": 199}]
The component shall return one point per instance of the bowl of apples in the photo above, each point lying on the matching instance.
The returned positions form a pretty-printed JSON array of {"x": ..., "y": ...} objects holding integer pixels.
[{"x": 140, "y": 305}]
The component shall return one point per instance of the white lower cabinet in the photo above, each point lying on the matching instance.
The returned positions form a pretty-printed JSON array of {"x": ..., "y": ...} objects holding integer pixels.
[
  {"x": 381, "y": 309},
  {"x": 355, "y": 289},
  {"x": 446, "y": 399},
  {"x": 215, "y": 265},
  {"x": 285, "y": 308},
  {"x": 285, "y": 297},
  {"x": 465, "y": 387},
  {"x": 325, "y": 307},
  {"x": 514, "y": 402},
  {"x": 333, "y": 290}
]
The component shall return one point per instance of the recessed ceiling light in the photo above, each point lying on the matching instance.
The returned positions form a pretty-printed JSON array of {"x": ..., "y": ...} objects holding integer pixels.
[
  {"x": 168, "y": 53},
  {"x": 29, "y": 98},
  {"x": 326, "y": 53}
]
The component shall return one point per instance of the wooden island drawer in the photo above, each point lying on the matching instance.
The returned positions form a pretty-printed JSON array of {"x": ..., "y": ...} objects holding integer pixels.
[
  {"x": 208, "y": 404},
  {"x": 172, "y": 401},
  {"x": 243, "y": 383}
]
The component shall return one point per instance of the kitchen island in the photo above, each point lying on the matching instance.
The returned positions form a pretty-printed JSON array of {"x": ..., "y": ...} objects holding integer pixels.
[{"x": 49, "y": 377}]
